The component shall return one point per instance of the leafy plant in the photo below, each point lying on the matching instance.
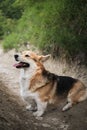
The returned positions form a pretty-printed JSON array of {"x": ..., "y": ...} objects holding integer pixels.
[{"x": 55, "y": 26}]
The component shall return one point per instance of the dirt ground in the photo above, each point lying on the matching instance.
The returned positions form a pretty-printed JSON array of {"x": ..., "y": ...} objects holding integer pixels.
[{"x": 14, "y": 116}]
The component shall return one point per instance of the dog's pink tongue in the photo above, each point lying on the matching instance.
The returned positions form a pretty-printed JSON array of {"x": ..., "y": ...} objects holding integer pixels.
[{"x": 17, "y": 65}]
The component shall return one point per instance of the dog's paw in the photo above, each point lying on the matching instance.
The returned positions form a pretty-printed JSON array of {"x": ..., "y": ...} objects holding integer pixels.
[
  {"x": 38, "y": 113},
  {"x": 39, "y": 118},
  {"x": 67, "y": 107},
  {"x": 30, "y": 108}
]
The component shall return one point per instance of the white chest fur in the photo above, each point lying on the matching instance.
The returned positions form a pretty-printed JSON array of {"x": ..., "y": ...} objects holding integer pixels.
[
  {"x": 24, "y": 80},
  {"x": 25, "y": 77}
]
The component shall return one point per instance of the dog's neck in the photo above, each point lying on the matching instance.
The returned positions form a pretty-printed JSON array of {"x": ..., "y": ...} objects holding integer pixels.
[
  {"x": 25, "y": 76},
  {"x": 27, "y": 73}
]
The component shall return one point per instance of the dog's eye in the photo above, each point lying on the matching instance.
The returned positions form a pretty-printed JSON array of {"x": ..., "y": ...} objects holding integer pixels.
[{"x": 27, "y": 56}]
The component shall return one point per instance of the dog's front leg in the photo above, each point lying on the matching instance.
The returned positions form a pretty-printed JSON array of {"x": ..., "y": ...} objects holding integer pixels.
[
  {"x": 31, "y": 105},
  {"x": 41, "y": 107}
]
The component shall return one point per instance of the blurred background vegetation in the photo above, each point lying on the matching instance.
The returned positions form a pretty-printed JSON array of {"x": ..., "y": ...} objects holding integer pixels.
[{"x": 58, "y": 27}]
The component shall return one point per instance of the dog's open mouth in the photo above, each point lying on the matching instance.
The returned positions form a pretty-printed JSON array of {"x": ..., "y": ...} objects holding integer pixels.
[{"x": 21, "y": 65}]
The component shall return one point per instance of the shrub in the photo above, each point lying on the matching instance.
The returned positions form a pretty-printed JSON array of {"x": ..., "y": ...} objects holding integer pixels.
[{"x": 53, "y": 25}]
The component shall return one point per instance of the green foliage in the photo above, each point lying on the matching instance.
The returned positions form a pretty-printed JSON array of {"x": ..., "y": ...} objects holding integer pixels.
[
  {"x": 12, "y": 41},
  {"x": 6, "y": 25},
  {"x": 2, "y": 24},
  {"x": 53, "y": 25},
  {"x": 9, "y": 14},
  {"x": 10, "y": 10}
]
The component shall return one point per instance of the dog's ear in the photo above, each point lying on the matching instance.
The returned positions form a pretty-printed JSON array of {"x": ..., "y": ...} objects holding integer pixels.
[{"x": 44, "y": 58}]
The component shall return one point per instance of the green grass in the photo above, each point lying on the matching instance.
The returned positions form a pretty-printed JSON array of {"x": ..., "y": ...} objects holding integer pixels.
[{"x": 55, "y": 26}]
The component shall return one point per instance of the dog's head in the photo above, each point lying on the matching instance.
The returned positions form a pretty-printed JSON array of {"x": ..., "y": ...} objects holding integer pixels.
[{"x": 28, "y": 59}]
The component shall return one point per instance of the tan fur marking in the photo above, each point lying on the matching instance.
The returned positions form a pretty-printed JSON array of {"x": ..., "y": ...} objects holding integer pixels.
[
  {"x": 37, "y": 82},
  {"x": 46, "y": 92},
  {"x": 76, "y": 92},
  {"x": 31, "y": 54},
  {"x": 43, "y": 86}
]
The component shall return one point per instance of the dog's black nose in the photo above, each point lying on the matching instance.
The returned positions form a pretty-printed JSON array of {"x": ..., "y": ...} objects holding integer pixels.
[{"x": 16, "y": 57}]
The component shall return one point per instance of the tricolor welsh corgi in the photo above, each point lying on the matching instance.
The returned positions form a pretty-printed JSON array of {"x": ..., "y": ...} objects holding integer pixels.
[{"x": 46, "y": 87}]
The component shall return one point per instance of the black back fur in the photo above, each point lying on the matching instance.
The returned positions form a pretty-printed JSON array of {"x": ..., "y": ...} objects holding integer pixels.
[{"x": 64, "y": 83}]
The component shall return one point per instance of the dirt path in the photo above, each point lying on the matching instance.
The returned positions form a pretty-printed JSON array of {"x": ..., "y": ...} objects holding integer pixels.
[{"x": 13, "y": 115}]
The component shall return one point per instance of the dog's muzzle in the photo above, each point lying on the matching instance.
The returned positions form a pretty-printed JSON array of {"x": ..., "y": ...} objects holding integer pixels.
[{"x": 20, "y": 64}]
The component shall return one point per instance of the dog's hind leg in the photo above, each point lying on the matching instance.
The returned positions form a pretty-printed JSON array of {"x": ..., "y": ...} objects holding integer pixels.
[
  {"x": 75, "y": 97},
  {"x": 68, "y": 105}
]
